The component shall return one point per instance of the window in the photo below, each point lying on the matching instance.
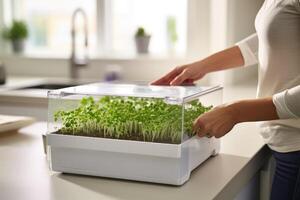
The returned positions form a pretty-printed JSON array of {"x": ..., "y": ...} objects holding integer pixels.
[
  {"x": 128, "y": 15},
  {"x": 49, "y": 24}
]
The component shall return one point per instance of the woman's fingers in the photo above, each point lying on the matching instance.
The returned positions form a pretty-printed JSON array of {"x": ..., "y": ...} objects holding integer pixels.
[
  {"x": 200, "y": 128},
  {"x": 181, "y": 78},
  {"x": 162, "y": 81},
  {"x": 217, "y": 122},
  {"x": 166, "y": 79},
  {"x": 178, "y": 76},
  {"x": 188, "y": 82}
]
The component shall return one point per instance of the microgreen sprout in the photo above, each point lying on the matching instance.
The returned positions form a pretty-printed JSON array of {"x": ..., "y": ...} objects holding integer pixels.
[{"x": 130, "y": 118}]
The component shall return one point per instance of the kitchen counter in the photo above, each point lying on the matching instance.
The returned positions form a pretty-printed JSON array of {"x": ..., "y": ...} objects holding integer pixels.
[
  {"x": 24, "y": 172},
  {"x": 29, "y": 102},
  {"x": 12, "y": 91},
  {"x": 17, "y": 82}
]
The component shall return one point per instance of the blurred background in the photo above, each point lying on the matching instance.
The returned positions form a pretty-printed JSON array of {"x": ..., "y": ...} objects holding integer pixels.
[{"x": 171, "y": 32}]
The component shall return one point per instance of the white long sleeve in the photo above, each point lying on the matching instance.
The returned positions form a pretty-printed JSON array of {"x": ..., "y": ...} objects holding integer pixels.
[
  {"x": 249, "y": 49},
  {"x": 287, "y": 103}
]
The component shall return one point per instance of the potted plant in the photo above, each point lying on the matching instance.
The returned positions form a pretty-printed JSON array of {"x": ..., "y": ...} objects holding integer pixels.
[
  {"x": 142, "y": 40},
  {"x": 16, "y": 33}
]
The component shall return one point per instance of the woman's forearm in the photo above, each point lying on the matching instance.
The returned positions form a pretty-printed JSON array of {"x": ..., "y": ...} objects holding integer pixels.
[
  {"x": 226, "y": 59},
  {"x": 255, "y": 110},
  {"x": 223, "y": 118},
  {"x": 187, "y": 74}
]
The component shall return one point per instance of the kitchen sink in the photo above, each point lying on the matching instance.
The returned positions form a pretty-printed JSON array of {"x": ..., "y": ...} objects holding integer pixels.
[{"x": 50, "y": 86}]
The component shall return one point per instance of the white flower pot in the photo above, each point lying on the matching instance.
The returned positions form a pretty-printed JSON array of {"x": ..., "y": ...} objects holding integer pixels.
[
  {"x": 18, "y": 46},
  {"x": 142, "y": 44}
]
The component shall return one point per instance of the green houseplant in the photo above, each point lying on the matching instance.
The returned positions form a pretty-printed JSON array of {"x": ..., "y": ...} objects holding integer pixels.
[
  {"x": 142, "y": 40},
  {"x": 16, "y": 33}
]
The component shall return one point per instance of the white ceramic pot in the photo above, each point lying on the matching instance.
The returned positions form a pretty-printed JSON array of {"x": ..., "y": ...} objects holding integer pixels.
[
  {"x": 142, "y": 44},
  {"x": 18, "y": 46}
]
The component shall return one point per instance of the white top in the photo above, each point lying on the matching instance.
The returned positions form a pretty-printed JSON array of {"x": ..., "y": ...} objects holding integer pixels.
[{"x": 276, "y": 47}]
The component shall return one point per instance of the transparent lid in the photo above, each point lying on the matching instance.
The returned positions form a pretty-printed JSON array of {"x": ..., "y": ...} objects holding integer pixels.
[
  {"x": 161, "y": 114},
  {"x": 173, "y": 93}
]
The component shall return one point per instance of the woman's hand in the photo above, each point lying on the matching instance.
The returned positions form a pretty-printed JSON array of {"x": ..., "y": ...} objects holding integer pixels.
[
  {"x": 216, "y": 122},
  {"x": 223, "y": 118},
  {"x": 187, "y": 74},
  {"x": 183, "y": 75}
]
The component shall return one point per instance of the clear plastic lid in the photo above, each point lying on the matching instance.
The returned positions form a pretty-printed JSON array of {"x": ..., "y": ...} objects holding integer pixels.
[
  {"x": 161, "y": 114},
  {"x": 172, "y": 93}
]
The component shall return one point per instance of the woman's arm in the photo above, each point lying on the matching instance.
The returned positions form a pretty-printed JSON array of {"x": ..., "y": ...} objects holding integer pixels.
[
  {"x": 255, "y": 110},
  {"x": 226, "y": 59},
  {"x": 187, "y": 74},
  {"x": 223, "y": 118},
  {"x": 243, "y": 54}
]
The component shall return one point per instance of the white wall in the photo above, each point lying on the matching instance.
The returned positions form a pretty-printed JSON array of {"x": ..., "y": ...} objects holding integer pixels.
[
  {"x": 240, "y": 23},
  {"x": 199, "y": 22},
  {"x": 241, "y": 17}
]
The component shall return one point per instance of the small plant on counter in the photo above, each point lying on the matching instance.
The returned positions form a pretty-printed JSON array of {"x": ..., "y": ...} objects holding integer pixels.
[
  {"x": 130, "y": 118},
  {"x": 140, "y": 32},
  {"x": 142, "y": 40},
  {"x": 17, "y": 34}
]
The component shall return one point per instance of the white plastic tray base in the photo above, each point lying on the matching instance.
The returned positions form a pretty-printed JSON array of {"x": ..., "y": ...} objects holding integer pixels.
[{"x": 132, "y": 160}]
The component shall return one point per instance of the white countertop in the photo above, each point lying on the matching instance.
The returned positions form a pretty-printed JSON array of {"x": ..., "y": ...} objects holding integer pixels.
[
  {"x": 17, "y": 82},
  {"x": 24, "y": 173},
  {"x": 10, "y": 92}
]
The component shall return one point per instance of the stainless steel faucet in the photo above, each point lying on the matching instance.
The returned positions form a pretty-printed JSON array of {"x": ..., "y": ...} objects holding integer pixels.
[{"x": 76, "y": 62}]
